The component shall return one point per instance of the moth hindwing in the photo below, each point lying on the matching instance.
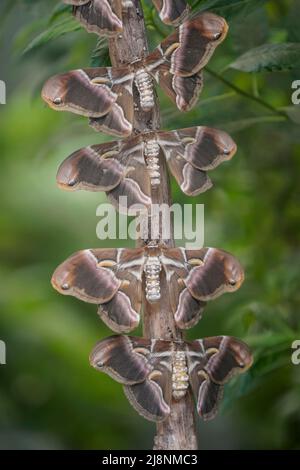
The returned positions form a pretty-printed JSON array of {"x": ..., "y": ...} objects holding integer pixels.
[
  {"x": 154, "y": 372},
  {"x": 172, "y": 12},
  {"x": 114, "y": 279},
  {"x": 131, "y": 168},
  {"x": 103, "y": 17},
  {"x": 105, "y": 95}
]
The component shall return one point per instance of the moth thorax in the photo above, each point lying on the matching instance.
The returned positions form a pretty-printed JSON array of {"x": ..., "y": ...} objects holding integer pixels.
[
  {"x": 180, "y": 376},
  {"x": 144, "y": 84},
  {"x": 152, "y": 150},
  {"x": 152, "y": 270}
]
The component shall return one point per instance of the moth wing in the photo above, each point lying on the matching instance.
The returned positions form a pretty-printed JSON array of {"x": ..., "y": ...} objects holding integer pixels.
[
  {"x": 148, "y": 400},
  {"x": 203, "y": 147},
  {"x": 197, "y": 40},
  {"x": 119, "y": 314},
  {"x": 119, "y": 119},
  {"x": 130, "y": 271},
  {"x": 90, "y": 92},
  {"x": 172, "y": 12},
  {"x": 152, "y": 397},
  {"x": 136, "y": 184},
  {"x": 187, "y": 309},
  {"x": 82, "y": 276},
  {"x": 115, "y": 167},
  {"x": 97, "y": 276},
  {"x": 191, "y": 180},
  {"x": 94, "y": 168},
  {"x": 213, "y": 362},
  {"x": 183, "y": 91},
  {"x": 212, "y": 272},
  {"x": 103, "y": 17},
  {"x": 124, "y": 358}
]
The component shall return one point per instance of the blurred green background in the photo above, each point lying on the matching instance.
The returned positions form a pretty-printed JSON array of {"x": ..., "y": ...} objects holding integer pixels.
[{"x": 50, "y": 398}]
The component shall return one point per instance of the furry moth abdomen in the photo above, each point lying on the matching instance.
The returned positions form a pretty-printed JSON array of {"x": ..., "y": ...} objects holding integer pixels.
[
  {"x": 152, "y": 150},
  {"x": 144, "y": 84},
  {"x": 180, "y": 376},
  {"x": 152, "y": 271}
]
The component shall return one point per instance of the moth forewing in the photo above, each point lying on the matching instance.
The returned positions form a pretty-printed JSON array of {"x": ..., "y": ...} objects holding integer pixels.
[
  {"x": 102, "y": 94},
  {"x": 205, "y": 148},
  {"x": 212, "y": 362},
  {"x": 100, "y": 277},
  {"x": 229, "y": 357},
  {"x": 95, "y": 168},
  {"x": 81, "y": 277},
  {"x": 220, "y": 273},
  {"x": 116, "y": 357},
  {"x": 198, "y": 38},
  {"x": 76, "y": 92}
]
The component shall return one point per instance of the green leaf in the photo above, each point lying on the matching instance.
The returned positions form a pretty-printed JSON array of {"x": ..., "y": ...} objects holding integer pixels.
[
  {"x": 65, "y": 25},
  {"x": 293, "y": 112},
  {"x": 242, "y": 124},
  {"x": 229, "y": 8},
  {"x": 100, "y": 55},
  {"x": 269, "y": 57}
]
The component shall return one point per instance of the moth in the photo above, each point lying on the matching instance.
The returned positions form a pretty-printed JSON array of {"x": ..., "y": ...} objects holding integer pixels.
[
  {"x": 118, "y": 279},
  {"x": 105, "y": 94},
  {"x": 131, "y": 167},
  {"x": 156, "y": 373},
  {"x": 104, "y": 17}
]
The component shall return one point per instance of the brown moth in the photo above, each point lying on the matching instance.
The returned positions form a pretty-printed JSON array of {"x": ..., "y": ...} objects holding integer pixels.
[
  {"x": 105, "y": 95},
  {"x": 154, "y": 372},
  {"x": 131, "y": 167},
  {"x": 117, "y": 279}
]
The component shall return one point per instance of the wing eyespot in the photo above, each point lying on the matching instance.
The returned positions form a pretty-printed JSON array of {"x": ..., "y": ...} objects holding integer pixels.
[
  {"x": 57, "y": 101},
  {"x": 217, "y": 36}
]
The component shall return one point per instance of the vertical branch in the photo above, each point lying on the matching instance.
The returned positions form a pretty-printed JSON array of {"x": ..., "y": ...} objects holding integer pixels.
[{"x": 178, "y": 431}]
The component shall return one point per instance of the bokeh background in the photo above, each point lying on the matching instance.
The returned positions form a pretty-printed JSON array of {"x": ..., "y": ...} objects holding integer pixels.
[{"x": 50, "y": 398}]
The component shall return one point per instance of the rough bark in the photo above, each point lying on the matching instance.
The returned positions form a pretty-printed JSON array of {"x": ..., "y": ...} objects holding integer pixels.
[{"x": 179, "y": 430}]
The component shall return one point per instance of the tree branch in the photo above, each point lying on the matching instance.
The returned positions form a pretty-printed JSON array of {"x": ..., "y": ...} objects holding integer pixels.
[
  {"x": 247, "y": 95},
  {"x": 178, "y": 431}
]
